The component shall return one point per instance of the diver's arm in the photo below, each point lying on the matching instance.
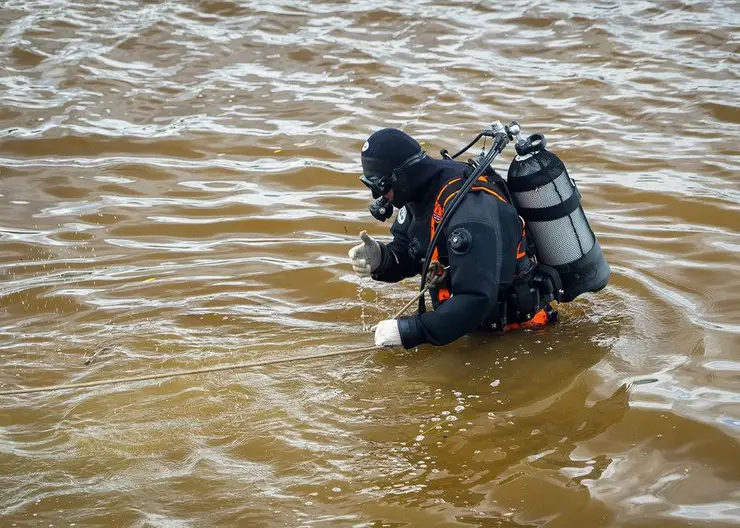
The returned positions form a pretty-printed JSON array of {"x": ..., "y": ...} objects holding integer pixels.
[
  {"x": 475, "y": 274},
  {"x": 395, "y": 262},
  {"x": 475, "y": 290}
]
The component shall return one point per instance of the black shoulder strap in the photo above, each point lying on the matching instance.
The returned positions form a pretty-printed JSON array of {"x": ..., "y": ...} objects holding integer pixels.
[{"x": 493, "y": 177}]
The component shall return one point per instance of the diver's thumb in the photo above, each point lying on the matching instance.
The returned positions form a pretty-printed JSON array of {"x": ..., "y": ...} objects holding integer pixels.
[{"x": 367, "y": 239}]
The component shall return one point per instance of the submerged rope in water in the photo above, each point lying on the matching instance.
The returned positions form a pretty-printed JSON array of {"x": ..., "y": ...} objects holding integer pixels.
[
  {"x": 205, "y": 370},
  {"x": 405, "y": 307}
]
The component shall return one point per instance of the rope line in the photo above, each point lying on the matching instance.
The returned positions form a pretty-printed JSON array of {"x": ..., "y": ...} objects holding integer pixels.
[
  {"x": 237, "y": 366},
  {"x": 221, "y": 368},
  {"x": 405, "y": 307}
]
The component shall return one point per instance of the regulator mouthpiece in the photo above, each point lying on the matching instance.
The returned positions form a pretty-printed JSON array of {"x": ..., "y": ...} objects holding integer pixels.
[{"x": 381, "y": 209}]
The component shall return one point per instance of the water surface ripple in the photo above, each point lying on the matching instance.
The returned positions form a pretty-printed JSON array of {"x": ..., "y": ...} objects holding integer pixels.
[{"x": 179, "y": 190}]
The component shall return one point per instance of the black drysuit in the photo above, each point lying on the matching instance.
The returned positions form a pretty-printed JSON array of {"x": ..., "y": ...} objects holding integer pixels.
[{"x": 477, "y": 273}]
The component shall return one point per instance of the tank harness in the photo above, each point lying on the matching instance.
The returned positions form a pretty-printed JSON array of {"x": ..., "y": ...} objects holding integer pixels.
[{"x": 521, "y": 303}]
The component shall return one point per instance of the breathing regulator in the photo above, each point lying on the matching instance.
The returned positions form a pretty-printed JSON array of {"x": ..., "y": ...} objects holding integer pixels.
[{"x": 381, "y": 209}]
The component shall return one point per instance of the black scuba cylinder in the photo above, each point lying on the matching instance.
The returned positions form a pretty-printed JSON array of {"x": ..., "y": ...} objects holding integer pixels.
[{"x": 549, "y": 202}]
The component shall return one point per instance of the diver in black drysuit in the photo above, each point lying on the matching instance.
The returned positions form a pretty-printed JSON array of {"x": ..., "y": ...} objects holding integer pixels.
[{"x": 479, "y": 267}]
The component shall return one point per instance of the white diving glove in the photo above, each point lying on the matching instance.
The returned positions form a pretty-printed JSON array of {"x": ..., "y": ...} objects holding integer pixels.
[
  {"x": 366, "y": 256},
  {"x": 387, "y": 333}
]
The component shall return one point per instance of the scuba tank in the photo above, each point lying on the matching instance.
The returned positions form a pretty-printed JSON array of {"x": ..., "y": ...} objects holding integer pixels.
[{"x": 547, "y": 199}]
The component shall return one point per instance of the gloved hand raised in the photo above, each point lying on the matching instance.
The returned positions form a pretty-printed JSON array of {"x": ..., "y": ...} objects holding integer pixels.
[
  {"x": 365, "y": 257},
  {"x": 387, "y": 333}
]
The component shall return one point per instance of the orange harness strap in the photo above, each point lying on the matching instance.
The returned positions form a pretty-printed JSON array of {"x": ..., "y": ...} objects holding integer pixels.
[
  {"x": 542, "y": 317},
  {"x": 439, "y": 210},
  {"x": 539, "y": 320}
]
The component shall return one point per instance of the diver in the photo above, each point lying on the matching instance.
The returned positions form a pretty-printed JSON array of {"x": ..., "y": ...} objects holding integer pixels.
[{"x": 489, "y": 275}]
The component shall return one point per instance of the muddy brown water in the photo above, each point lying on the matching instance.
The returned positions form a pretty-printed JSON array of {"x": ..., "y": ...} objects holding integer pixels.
[{"x": 179, "y": 189}]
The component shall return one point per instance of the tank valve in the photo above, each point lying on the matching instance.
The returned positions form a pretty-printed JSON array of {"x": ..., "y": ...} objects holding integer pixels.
[
  {"x": 497, "y": 127},
  {"x": 533, "y": 143},
  {"x": 514, "y": 131}
]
